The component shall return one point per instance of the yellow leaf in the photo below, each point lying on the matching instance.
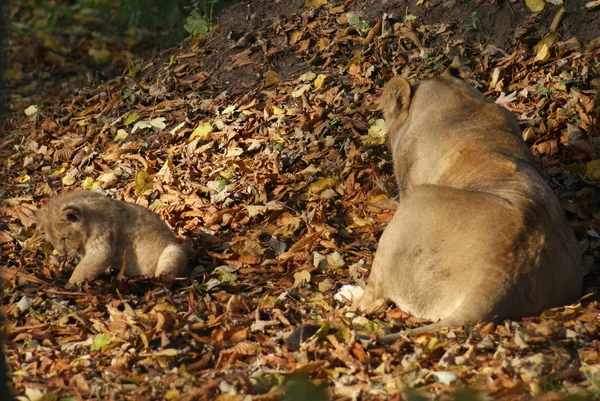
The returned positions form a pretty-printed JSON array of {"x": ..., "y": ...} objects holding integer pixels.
[
  {"x": 495, "y": 77},
  {"x": 141, "y": 182},
  {"x": 535, "y": 5},
  {"x": 314, "y": 3},
  {"x": 337, "y": 10},
  {"x": 172, "y": 394},
  {"x": 271, "y": 78},
  {"x": 278, "y": 111},
  {"x": 202, "y": 131},
  {"x": 544, "y": 46},
  {"x": 319, "y": 81},
  {"x": 12, "y": 74},
  {"x": 378, "y": 198},
  {"x": 321, "y": 185},
  {"x": 355, "y": 59},
  {"x": 592, "y": 171},
  {"x": 68, "y": 179},
  {"x": 100, "y": 56},
  {"x": 88, "y": 183},
  {"x": 22, "y": 179},
  {"x": 121, "y": 134}
]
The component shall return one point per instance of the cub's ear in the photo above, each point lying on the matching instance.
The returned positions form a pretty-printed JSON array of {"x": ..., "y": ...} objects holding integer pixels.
[
  {"x": 70, "y": 214},
  {"x": 395, "y": 100}
]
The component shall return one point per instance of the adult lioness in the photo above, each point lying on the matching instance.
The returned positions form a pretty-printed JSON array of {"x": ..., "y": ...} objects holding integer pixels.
[{"x": 478, "y": 234}]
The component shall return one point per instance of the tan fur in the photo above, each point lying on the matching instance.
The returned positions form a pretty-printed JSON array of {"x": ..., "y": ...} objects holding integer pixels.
[
  {"x": 478, "y": 234},
  {"x": 100, "y": 229}
]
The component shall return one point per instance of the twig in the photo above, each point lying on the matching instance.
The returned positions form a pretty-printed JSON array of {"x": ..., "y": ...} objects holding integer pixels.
[{"x": 557, "y": 18}]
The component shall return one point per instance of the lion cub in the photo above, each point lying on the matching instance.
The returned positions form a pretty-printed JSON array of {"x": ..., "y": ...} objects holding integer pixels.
[
  {"x": 478, "y": 235},
  {"x": 100, "y": 229}
]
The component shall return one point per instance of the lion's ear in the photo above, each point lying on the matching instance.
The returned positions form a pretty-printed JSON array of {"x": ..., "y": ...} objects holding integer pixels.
[
  {"x": 454, "y": 69},
  {"x": 70, "y": 214},
  {"x": 395, "y": 100}
]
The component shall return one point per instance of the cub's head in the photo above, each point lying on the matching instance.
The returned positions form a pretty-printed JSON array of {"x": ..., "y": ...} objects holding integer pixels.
[{"x": 64, "y": 226}]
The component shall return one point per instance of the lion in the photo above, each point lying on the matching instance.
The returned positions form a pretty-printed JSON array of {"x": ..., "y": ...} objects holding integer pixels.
[
  {"x": 478, "y": 234},
  {"x": 101, "y": 230}
]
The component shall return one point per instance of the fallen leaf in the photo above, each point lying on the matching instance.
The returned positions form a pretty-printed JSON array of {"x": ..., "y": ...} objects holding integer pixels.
[
  {"x": 535, "y": 5},
  {"x": 202, "y": 131},
  {"x": 31, "y": 110},
  {"x": 314, "y": 3},
  {"x": 301, "y": 277},
  {"x": 543, "y": 53},
  {"x": 271, "y": 78}
]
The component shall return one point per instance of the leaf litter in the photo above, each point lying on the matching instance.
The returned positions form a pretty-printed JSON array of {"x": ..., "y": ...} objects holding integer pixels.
[{"x": 282, "y": 185}]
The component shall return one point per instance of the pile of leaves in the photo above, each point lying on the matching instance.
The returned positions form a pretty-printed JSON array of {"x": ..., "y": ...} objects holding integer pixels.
[{"x": 262, "y": 148}]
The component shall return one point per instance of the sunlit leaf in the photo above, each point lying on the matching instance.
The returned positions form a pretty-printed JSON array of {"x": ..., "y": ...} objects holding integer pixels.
[
  {"x": 301, "y": 277},
  {"x": 544, "y": 46},
  {"x": 300, "y": 91},
  {"x": 592, "y": 4},
  {"x": 535, "y": 5},
  {"x": 121, "y": 134},
  {"x": 319, "y": 81},
  {"x": 31, "y": 110},
  {"x": 314, "y": 3},
  {"x": 202, "y": 131},
  {"x": 271, "y": 78},
  {"x": 308, "y": 76},
  {"x": 88, "y": 183},
  {"x": 68, "y": 179},
  {"x": 158, "y": 123},
  {"x": 377, "y": 133},
  {"x": 100, "y": 340},
  {"x": 131, "y": 118},
  {"x": 228, "y": 110},
  {"x": 278, "y": 111},
  {"x": 142, "y": 182}
]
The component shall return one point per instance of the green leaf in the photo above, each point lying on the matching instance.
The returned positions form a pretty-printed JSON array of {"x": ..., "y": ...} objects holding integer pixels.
[
  {"x": 131, "y": 118},
  {"x": 196, "y": 24},
  {"x": 88, "y": 183},
  {"x": 100, "y": 341}
]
